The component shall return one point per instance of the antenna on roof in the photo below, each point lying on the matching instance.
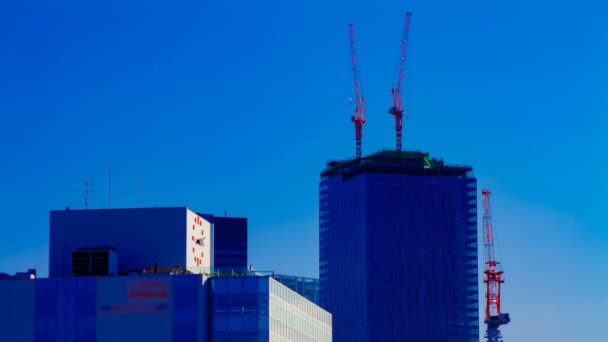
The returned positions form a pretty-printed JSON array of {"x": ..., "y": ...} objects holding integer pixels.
[
  {"x": 138, "y": 191},
  {"x": 86, "y": 192}
]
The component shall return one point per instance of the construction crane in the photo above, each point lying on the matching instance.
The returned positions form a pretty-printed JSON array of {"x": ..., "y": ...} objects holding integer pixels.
[
  {"x": 494, "y": 318},
  {"x": 397, "y": 108},
  {"x": 358, "y": 119}
]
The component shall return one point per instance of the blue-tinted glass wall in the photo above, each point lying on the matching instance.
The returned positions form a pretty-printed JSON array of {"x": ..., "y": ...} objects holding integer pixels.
[
  {"x": 239, "y": 307},
  {"x": 66, "y": 309},
  {"x": 229, "y": 243},
  {"x": 261, "y": 309},
  {"x": 398, "y": 253},
  {"x": 129, "y": 308}
]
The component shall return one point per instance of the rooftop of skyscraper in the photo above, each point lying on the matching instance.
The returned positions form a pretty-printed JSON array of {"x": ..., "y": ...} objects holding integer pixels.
[{"x": 396, "y": 162}]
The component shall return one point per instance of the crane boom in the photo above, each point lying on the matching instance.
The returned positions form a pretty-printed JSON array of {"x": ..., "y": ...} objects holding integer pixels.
[
  {"x": 358, "y": 118},
  {"x": 488, "y": 237},
  {"x": 397, "y": 108},
  {"x": 493, "y": 278}
]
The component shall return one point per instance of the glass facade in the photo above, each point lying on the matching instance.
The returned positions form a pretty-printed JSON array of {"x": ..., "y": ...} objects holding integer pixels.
[
  {"x": 398, "y": 249},
  {"x": 259, "y": 309},
  {"x": 294, "y": 318},
  {"x": 150, "y": 308},
  {"x": 65, "y": 309},
  {"x": 239, "y": 307},
  {"x": 306, "y": 287},
  {"x": 158, "y": 308}
]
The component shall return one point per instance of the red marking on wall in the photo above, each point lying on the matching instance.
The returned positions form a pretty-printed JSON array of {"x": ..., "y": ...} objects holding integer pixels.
[{"x": 148, "y": 290}]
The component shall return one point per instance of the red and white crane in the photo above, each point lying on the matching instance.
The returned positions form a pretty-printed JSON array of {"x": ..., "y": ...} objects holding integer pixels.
[
  {"x": 494, "y": 318},
  {"x": 397, "y": 108},
  {"x": 358, "y": 119}
]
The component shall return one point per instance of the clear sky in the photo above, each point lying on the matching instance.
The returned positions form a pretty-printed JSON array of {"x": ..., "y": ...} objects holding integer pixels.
[{"x": 236, "y": 106}]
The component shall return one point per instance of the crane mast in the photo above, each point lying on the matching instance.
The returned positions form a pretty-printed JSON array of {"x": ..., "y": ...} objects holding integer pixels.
[
  {"x": 397, "y": 109},
  {"x": 358, "y": 119},
  {"x": 494, "y": 318}
]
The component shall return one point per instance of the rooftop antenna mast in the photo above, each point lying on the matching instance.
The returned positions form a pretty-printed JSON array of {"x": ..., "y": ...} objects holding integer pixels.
[
  {"x": 397, "y": 108},
  {"x": 358, "y": 119},
  {"x": 86, "y": 192}
]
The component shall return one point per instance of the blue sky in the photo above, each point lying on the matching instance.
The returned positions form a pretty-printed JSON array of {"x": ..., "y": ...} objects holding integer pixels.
[{"x": 236, "y": 106}]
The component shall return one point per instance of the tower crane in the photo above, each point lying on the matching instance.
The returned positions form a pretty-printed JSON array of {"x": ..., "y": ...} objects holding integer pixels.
[
  {"x": 494, "y": 318},
  {"x": 397, "y": 108},
  {"x": 358, "y": 119}
]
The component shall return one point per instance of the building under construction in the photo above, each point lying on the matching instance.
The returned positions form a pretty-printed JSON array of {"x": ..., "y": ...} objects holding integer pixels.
[
  {"x": 398, "y": 248},
  {"x": 398, "y": 239}
]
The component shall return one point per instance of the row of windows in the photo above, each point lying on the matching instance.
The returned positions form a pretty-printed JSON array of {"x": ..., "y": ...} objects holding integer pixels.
[
  {"x": 292, "y": 324},
  {"x": 282, "y": 292},
  {"x": 281, "y": 332},
  {"x": 402, "y": 247},
  {"x": 239, "y": 285}
]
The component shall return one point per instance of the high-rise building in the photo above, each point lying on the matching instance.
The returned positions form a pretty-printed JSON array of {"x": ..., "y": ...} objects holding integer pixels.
[{"x": 398, "y": 249}]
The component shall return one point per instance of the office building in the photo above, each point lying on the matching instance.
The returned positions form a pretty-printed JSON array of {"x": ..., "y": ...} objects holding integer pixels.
[
  {"x": 128, "y": 241},
  {"x": 119, "y": 275},
  {"x": 158, "y": 307},
  {"x": 127, "y": 308},
  {"x": 229, "y": 244},
  {"x": 306, "y": 287},
  {"x": 262, "y": 309},
  {"x": 398, "y": 249}
]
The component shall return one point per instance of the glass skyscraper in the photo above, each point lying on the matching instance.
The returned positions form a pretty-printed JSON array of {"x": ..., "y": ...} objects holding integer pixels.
[{"x": 398, "y": 249}]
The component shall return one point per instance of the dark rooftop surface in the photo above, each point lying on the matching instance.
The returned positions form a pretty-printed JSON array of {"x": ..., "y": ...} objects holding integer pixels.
[{"x": 396, "y": 162}]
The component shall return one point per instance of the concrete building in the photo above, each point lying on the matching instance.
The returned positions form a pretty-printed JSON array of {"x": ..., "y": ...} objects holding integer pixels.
[
  {"x": 133, "y": 239},
  {"x": 398, "y": 249}
]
